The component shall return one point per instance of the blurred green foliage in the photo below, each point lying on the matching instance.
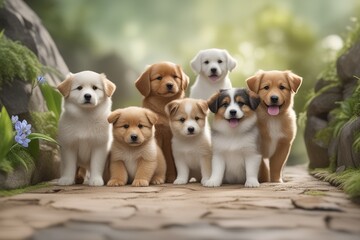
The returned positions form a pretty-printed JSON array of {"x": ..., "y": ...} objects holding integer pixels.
[{"x": 302, "y": 36}]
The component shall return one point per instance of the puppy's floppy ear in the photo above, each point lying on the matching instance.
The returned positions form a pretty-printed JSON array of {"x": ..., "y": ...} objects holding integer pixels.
[
  {"x": 114, "y": 116},
  {"x": 294, "y": 80},
  {"x": 184, "y": 78},
  {"x": 202, "y": 104},
  {"x": 231, "y": 62},
  {"x": 65, "y": 87},
  {"x": 196, "y": 63},
  {"x": 172, "y": 107},
  {"x": 109, "y": 86},
  {"x": 151, "y": 116},
  {"x": 213, "y": 102},
  {"x": 254, "y": 99},
  {"x": 143, "y": 82},
  {"x": 253, "y": 82}
]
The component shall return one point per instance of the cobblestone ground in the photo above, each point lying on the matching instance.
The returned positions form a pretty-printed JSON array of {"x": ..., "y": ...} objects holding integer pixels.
[{"x": 300, "y": 208}]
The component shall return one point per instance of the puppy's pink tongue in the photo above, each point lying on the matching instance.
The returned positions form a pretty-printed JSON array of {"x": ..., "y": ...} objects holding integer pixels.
[
  {"x": 233, "y": 122},
  {"x": 273, "y": 110}
]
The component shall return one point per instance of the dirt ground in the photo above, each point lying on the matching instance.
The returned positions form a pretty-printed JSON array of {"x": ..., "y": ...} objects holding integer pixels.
[{"x": 301, "y": 208}]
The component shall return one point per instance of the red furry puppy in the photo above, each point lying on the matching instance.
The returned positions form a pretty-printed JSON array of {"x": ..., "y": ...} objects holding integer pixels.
[
  {"x": 160, "y": 84},
  {"x": 135, "y": 156},
  {"x": 276, "y": 118}
]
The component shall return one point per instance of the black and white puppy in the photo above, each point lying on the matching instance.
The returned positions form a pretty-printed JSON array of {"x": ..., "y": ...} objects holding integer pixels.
[{"x": 235, "y": 139}]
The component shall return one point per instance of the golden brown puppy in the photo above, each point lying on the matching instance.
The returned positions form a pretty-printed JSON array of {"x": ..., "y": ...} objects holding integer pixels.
[
  {"x": 160, "y": 84},
  {"x": 276, "y": 118},
  {"x": 135, "y": 156}
]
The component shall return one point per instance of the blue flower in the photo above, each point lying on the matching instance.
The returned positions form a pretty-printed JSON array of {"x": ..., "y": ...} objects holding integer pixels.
[
  {"x": 23, "y": 130},
  {"x": 41, "y": 79},
  {"x": 14, "y": 119}
]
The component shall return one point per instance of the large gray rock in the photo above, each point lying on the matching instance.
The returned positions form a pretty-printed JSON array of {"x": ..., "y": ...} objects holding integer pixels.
[
  {"x": 21, "y": 24},
  {"x": 346, "y": 155},
  {"x": 348, "y": 64}
]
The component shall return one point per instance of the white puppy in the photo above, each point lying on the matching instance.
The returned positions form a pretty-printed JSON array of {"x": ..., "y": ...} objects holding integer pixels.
[
  {"x": 191, "y": 141},
  {"x": 235, "y": 139},
  {"x": 212, "y": 67},
  {"x": 85, "y": 136}
]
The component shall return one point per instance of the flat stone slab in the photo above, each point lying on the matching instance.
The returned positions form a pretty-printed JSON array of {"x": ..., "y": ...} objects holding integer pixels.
[{"x": 300, "y": 208}]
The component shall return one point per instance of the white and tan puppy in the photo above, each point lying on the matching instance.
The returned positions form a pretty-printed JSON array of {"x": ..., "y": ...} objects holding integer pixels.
[
  {"x": 191, "y": 141},
  {"x": 212, "y": 67},
  {"x": 235, "y": 139},
  {"x": 84, "y": 133},
  {"x": 135, "y": 156}
]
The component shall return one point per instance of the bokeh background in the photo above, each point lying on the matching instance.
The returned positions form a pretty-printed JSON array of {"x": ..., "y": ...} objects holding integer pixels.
[{"x": 121, "y": 37}]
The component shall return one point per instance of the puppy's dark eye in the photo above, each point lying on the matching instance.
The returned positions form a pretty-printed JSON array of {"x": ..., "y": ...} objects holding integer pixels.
[
  {"x": 197, "y": 118},
  {"x": 140, "y": 126},
  {"x": 182, "y": 120},
  {"x": 220, "y": 61},
  {"x": 206, "y": 62},
  {"x": 175, "y": 76},
  {"x": 225, "y": 105},
  {"x": 95, "y": 87},
  {"x": 79, "y": 88},
  {"x": 126, "y": 126},
  {"x": 266, "y": 87},
  {"x": 282, "y": 87},
  {"x": 240, "y": 103},
  {"x": 159, "y": 78}
]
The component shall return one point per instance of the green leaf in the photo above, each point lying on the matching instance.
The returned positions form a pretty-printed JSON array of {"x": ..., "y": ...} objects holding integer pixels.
[
  {"x": 42, "y": 137},
  {"x": 20, "y": 160},
  {"x": 34, "y": 148},
  {"x": 53, "y": 99},
  {"x": 6, "y": 133}
]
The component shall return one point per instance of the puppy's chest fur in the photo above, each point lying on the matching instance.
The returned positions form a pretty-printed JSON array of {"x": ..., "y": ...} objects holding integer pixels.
[{"x": 131, "y": 155}]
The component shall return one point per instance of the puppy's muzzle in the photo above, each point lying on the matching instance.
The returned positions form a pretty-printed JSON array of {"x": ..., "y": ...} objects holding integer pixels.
[
  {"x": 233, "y": 113},
  {"x": 169, "y": 86},
  {"x": 134, "y": 138},
  {"x": 213, "y": 70},
  {"x": 274, "y": 99},
  {"x": 87, "y": 98},
  {"x": 191, "y": 130}
]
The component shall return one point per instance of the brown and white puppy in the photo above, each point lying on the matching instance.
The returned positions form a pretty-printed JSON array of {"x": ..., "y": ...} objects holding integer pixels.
[
  {"x": 84, "y": 132},
  {"x": 135, "y": 156},
  {"x": 235, "y": 138},
  {"x": 277, "y": 119},
  {"x": 191, "y": 141},
  {"x": 160, "y": 84}
]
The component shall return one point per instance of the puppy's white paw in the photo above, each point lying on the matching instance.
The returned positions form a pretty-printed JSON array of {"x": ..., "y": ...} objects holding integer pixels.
[
  {"x": 212, "y": 183},
  {"x": 66, "y": 181},
  {"x": 180, "y": 181},
  {"x": 252, "y": 183},
  {"x": 204, "y": 180},
  {"x": 96, "y": 181}
]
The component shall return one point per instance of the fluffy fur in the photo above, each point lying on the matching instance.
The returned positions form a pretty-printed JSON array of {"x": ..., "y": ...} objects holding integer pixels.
[
  {"x": 277, "y": 119},
  {"x": 191, "y": 142},
  {"x": 212, "y": 67},
  {"x": 84, "y": 133},
  {"x": 135, "y": 156},
  {"x": 236, "y": 153},
  {"x": 160, "y": 84}
]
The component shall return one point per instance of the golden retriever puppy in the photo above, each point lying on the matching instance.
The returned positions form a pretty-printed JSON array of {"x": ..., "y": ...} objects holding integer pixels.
[
  {"x": 191, "y": 142},
  {"x": 135, "y": 155},
  {"x": 160, "y": 84},
  {"x": 84, "y": 132},
  {"x": 277, "y": 118}
]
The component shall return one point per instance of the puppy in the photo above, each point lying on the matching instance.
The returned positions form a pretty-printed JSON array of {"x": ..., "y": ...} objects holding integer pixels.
[
  {"x": 236, "y": 152},
  {"x": 277, "y": 119},
  {"x": 160, "y": 84},
  {"x": 135, "y": 156},
  {"x": 191, "y": 141},
  {"x": 212, "y": 67},
  {"x": 84, "y": 132}
]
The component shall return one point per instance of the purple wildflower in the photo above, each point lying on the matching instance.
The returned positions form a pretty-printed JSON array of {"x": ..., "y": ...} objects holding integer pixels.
[{"x": 23, "y": 130}]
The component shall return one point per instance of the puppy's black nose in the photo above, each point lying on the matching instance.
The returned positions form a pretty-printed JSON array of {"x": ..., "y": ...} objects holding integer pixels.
[
  {"x": 274, "y": 99},
  {"x": 213, "y": 70},
  {"x": 87, "y": 97},
  {"x": 134, "y": 137},
  {"x": 191, "y": 129},
  {"x": 169, "y": 86},
  {"x": 233, "y": 113}
]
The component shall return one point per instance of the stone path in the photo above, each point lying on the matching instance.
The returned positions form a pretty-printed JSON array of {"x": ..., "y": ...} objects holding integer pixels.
[{"x": 300, "y": 208}]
